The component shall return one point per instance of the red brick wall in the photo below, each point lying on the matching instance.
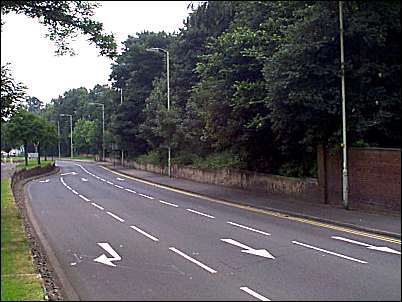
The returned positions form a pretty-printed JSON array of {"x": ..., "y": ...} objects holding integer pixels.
[{"x": 374, "y": 178}]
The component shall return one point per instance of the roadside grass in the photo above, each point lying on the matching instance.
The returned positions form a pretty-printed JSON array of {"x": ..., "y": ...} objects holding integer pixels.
[
  {"x": 92, "y": 157},
  {"x": 33, "y": 163},
  {"x": 19, "y": 281}
]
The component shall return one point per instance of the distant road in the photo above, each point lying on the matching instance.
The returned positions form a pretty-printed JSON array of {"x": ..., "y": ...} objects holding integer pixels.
[{"x": 120, "y": 239}]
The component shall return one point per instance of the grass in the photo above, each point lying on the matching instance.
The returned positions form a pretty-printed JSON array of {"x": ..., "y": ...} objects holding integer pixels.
[
  {"x": 19, "y": 281},
  {"x": 84, "y": 157},
  {"x": 34, "y": 163}
]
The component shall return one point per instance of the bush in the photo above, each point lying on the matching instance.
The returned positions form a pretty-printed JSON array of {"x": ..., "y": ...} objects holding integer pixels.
[
  {"x": 155, "y": 157},
  {"x": 224, "y": 159}
]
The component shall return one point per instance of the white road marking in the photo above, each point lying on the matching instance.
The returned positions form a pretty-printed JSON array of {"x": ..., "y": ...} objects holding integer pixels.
[
  {"x": 109, "y": 182},
  {"x": 144, "y": 233},
  {"x": 105, "y": 260},
  {"x": 207, "y": 268},
  {"x": 84, "y": 179},
  {"x": 44, "y": 181},
  {"x": 115, "y": 216},
  {"x": 146, "y": 196},
  {"x": 103, "y": 179},
  {"x": 199, "y": 213},
  {"x": 329, "y": 252},
  {"x": 131, "y": 191},
  {"x": 168, "y": 203},
  {"x": 118, "y": 178},
  {"x": 250, "y": 250},
  {"x": 83, "y": 197},
  {"x": 117, "y": 186},
  {"x": 74, "y": 191},
  {"x": 369, "y": 246},
  {"x": 72, "y": 173},
  {"x": 254, "y": 294},
  {"x": 68, "y": 187},
  {"x": 96, "y": 205},
  {"x": 248, "y": 228}
]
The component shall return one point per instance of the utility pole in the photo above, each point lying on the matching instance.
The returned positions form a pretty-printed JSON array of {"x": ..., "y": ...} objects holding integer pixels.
[
  {"x": 122, "y": 152},
  {"x": 345, "y": 187},
  {"x": 58, "y": 135}
]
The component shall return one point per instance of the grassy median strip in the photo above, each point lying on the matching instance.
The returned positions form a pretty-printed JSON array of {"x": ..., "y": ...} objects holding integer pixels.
[
  {"x": 19, "y": 281},
  {"x": 32, "y": 163}
]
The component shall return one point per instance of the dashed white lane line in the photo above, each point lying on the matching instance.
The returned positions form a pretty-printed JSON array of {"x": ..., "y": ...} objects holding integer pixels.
[
  {"x": 83, "y": 197},
  {"x": 109, "y": 182},
  {"x": 207, "y": 268},
  {"x": 115, "y": 217},
  {"x": 329, "y": 252},
  {"x": 103, "y": 179},
  {"x": 169, "y": 204},
  {"x": 131, "y": 191},
  {"x": 248, "y": 228},
  {"x": 118, "y": 178},
  {"x": 199, "y": 213},
  {"x": 117, "y": 186},
  {"x": 74, "y": 191},
  {"x": 98, "y": 206},
  {"x": 144, "y": 233},
  {"x": 254, "y": 294},
  {"x": 146, "y": 196}
]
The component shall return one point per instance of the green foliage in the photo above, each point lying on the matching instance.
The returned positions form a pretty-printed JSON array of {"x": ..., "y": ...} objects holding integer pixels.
[
  {"x": 85, "y": 136},
  {"x": 220, "y": 160},
  {"x": 155, "y": 157},
  {"x": 33, "y": 104},
  {"x": 12, "y": 93}
]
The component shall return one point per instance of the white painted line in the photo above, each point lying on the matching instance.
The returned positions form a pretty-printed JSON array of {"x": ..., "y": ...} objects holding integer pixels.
[
  {"x": 131, "y": 191},
  {"x": 84, "y": 179},
  {"x": 109, "y": 182},
  {"x": 117, "y": 186},
  {"x": 74, "y": 191},
  {"x": 115, "y": 216},
  {"x": 199, "y": 213},
  {"x": 248, "y": 228},
  {"x": 369, "y": 246},
  {"x": 169, "y": 204},
  {"x": 144, "y": 233},
  {"x": 83, "y": 197},
  {"x": 351, "y": 241},
  {"x": 207, "y": 268},
  {"x": 118, "y": 178},
  {"x": 329, "y": 252},
  {"x": 146, "y": 196},
  {"x": 254, "y": 294},
  {"x": 68, "y": 187},
  {"x": 103, "y": 179},
  {"x": 96, "y": 205}
]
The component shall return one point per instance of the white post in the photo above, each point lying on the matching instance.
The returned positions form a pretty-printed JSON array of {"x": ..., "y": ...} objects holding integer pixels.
[
  {"x": 122, "y": 152},
  {"x": 345, "y": 187},
  {"x": 168, "y": 107},
  {"x": 103, "y": 132},
  {"x": 71, "y": 138}
]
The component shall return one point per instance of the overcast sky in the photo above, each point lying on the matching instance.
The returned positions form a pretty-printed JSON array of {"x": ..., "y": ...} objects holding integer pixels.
[{"x": 32, "y": 58}]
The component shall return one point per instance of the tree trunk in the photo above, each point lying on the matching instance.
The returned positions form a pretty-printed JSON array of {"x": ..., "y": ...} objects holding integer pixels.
[
  {"x": 46, "y": 149},
  {"x": 26, "y": 153},
  {"x": 39, "y": 154}
]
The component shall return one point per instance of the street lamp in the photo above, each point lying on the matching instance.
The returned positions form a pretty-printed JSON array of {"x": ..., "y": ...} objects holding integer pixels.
[
  {"x": 157, "y": 49},
  {"x": 345, "y": 187},
  {"x": 71, "y": 130},
  {"x": 103, "y": 128}
]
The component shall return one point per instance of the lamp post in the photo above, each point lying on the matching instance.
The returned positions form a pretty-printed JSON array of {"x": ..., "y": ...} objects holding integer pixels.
[
  {"x": 58, "y": 136},
  {"x": 103, "y": 128},
  {"x": 122, "y": 152},
  {"x": 345, "y": 187},
  {"x": 156, "y": 49},
  {"x": 71, "y": 130}
]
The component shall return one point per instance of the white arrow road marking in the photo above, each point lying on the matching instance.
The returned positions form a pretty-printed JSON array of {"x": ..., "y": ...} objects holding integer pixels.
[
  {"x": 43, "y": 181},
  {"x": 329, "y": 252},
  {"x": 254, "y": 294},
  {"x": 249, "y": 250},
  {"x": 84, "y": 179},
  {"x": 369, "y": 246},
  {"x": 248, "y": 228},
  {"x": 118, "y": 178},
  {"x": 207, "y": 268},
  {"x": 72, "y": 173},
  {"x": 105, "y": 260},
  {"x": 144, "y": 233},
  {"x": 199, "y": 213}
]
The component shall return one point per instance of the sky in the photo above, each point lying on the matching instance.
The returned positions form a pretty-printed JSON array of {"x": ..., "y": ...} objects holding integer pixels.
[{"x": 33, "y": 60}]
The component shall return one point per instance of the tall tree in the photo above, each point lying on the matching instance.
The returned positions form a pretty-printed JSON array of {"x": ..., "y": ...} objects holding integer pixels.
[
  {"x": 12, "y": 93},
  {"x": 34, "y": 104}
]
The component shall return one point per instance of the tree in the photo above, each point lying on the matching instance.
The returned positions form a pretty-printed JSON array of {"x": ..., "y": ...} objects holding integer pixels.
[
  {"x": 85, "y": 133},
  {"x": 12, "y": 93},
  {"x": 34, "y": 104}
]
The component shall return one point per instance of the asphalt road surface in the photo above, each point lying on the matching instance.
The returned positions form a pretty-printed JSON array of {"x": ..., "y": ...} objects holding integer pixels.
[{"x": 117, "y": 238}]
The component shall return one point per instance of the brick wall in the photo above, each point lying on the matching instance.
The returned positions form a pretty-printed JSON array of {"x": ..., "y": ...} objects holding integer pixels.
[{"x": 374, "y": 177}]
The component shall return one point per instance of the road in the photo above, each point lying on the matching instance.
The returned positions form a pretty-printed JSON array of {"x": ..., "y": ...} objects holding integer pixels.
[{"x": 117, "y": 238}]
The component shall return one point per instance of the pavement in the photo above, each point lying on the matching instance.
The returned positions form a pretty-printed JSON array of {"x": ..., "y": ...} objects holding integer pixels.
[{"x": 383, "y": 223}]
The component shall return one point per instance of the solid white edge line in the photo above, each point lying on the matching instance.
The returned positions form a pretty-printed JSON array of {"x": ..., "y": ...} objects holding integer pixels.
[
  {"x": 329, "y": 252},
  {"x": 169, "y": 204},
  {"x": 83, "y": 197},
  {"x": 146, "y": 196},
  {"x": 199, "y": 213},
  {"x": 207, "y": 268},
  {"x": 98, "y": 206},
  {"x": 248, "y": 228},
  {"x": 115, "y": 216},
  {"x": 144, "y": 233},
  {"x": 131, "y": 191},
  {"x": 254, "y": 294}
]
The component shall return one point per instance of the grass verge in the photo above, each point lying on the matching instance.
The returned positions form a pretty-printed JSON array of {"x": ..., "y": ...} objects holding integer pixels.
[
  {"x": 32, "y": 163},
  {"x": 19, "y": 281}
]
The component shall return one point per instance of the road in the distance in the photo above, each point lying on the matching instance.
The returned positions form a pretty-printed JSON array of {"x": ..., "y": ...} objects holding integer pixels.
[{"x": 150, "y": 243}]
